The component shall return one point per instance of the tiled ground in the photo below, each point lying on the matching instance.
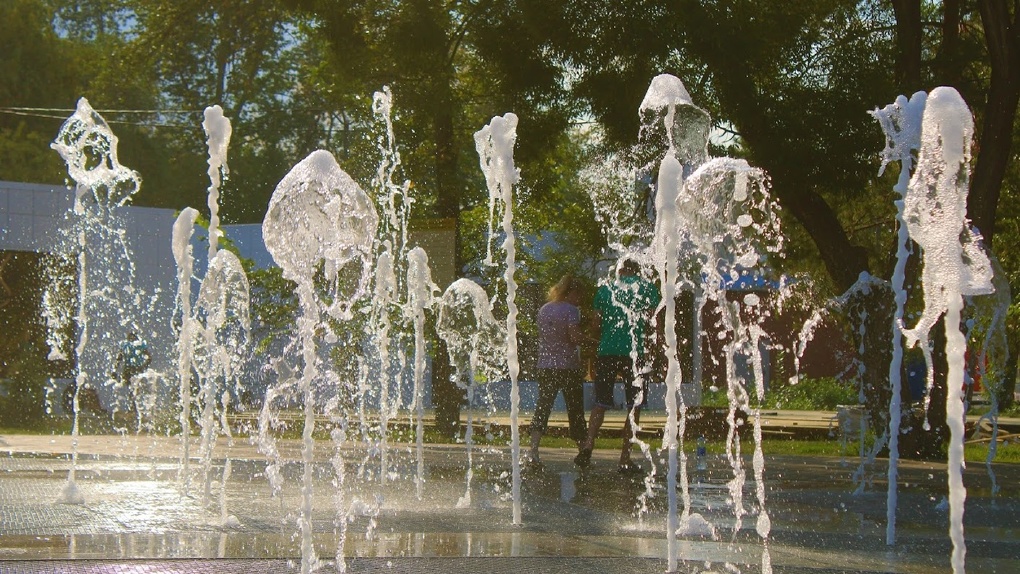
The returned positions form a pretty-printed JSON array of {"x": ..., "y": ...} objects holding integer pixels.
[{"x": 137, "y": 516}]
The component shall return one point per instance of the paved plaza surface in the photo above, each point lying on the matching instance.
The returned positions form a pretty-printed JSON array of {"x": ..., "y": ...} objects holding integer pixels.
[{"x": 139, "y": 516}]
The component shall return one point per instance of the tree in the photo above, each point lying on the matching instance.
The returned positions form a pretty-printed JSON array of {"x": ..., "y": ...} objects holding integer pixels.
[
  {"x": 795, "y": 82},
  {"x": 451, "y": 65},
  {"x": 36, "y": 71}
]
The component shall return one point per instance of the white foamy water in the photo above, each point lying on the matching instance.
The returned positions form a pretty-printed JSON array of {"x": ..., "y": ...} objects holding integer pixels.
[
  {"x": 935, "y": 214},
  {"x": 477, "y": 345},
  {"x": 495, "y": 146},
  {"x": 318, "y": 218}
]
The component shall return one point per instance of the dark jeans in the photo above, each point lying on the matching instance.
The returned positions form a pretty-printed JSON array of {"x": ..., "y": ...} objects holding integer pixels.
[
  {"x": 571, "y": 383},
  {"x": 608, "y": 370}
]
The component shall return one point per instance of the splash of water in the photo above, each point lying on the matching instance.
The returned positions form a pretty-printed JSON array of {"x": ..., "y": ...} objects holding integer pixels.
[
  {"x": 733, "y": 224},
  {"x": 95, "y": 242}
]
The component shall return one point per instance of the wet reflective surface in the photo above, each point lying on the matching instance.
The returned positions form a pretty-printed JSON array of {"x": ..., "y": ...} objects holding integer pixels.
[{"x": 136, "y": 509}]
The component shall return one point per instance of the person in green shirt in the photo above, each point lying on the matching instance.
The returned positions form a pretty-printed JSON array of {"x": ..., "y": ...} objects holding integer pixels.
[{"x": 623, "y": 311}]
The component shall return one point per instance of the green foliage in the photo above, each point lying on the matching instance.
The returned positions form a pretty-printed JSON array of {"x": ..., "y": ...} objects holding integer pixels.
[
  {"x": 24, "y": 369},
  {"x": 823, "y": 394}
]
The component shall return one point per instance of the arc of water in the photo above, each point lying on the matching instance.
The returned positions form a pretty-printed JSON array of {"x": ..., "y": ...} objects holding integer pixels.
[
  {"x": 901, "y": 123},
  {"x": 475, "y": 338},
  {"x": 495, "y": 145}
]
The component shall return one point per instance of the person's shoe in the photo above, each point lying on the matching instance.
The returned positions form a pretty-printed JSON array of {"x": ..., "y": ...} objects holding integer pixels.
[
  {"x": 630, "y": 468},
  {"x": 583, "y": 458}
]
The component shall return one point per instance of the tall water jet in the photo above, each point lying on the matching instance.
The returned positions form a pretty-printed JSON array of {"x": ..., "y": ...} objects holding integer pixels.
[
  {"x": 664, "y": 97},
  {"x": 495, "y": 146},
  {"x": 421, "y": 292},
  {"x": 476, "y": 343},
  {"x": 955, "y": 265},
  {"x": 901, "y": 122},
  {"x": 319, "y": 228},
  {"x": 388, "y": 307},
  {"x": 183, "y": 256},
  {"x": 384, "y": 297},
  {"x": 96, "y": 244},
  {"x": 222, "y": 315},
  {"x": 217, "y": 128}
]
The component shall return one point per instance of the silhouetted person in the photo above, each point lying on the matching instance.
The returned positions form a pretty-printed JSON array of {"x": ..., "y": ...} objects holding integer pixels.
[
  {"x": 559, "y": 362},
  {"x": 622, "y": 309}
]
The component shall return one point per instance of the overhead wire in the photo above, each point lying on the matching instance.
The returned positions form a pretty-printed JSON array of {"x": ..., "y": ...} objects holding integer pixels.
[{"x": 25, "y": 112}]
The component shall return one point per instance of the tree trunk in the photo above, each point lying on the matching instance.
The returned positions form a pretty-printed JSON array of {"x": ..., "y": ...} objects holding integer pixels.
[
  {"x": 843, "y": 260},
  {"x": 1002, "y": 36},
  {"x": 447, "y": 397},
  {"x": 908, "y": 44},
  {"x": 948, "y": 68}
]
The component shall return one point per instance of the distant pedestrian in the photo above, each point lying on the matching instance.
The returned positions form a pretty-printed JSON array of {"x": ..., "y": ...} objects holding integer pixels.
[
  {"x": 623, "y": 309},
  {"x": 559, "y": 362},
  {"x": 132, "y": 360}
]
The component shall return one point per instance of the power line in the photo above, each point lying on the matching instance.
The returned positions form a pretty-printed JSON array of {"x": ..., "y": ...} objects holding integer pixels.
[
  {"x": 135, "y": 111},
  {"x": 20, "y": 112}
]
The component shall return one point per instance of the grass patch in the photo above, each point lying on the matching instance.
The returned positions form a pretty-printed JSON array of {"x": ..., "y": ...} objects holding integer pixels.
[{"x": 1007, "y": 453}]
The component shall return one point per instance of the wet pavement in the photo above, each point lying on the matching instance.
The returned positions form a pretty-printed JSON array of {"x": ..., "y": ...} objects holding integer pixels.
[{"x": 139, "y": 516}]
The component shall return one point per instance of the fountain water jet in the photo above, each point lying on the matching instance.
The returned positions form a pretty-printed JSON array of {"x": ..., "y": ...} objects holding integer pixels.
[
  {"x": 420, "y": 296},
  {"x": 181, "y": 237},
  {"x": 935, "y": 215},
  {"x": 475, "y": 341},
  {"x": 495, "y": 146},
  {"x": 665, "y": 95},
  {"x": 96, "y": 243},
  {"x": 319, "y": 224},
  {"x": 901, "y": 122}
]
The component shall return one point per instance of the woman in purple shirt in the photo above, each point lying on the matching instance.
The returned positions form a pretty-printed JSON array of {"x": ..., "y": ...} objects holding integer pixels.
[{"x": 559, "y": 361}]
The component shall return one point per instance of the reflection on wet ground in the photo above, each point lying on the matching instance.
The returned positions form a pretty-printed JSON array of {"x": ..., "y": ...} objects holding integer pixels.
[{"x": 136, "y": 510}]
